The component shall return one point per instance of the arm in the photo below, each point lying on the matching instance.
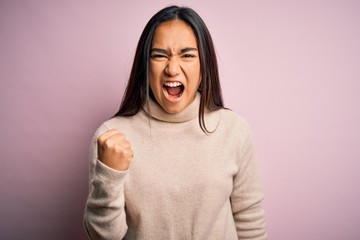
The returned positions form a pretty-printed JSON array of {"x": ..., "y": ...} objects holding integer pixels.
[
  {"x": 104, "y": 216},
  {"x": 247, "y": 196}
]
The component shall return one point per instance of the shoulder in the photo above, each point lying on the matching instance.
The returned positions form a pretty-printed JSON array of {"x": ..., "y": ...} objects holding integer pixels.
[
  {"x": 233, "y": 120},
  {"x": 237, "y": 131},
  {"x": 130, "y": 126},
  {"x": 119, "y": 123},
  {"x": 233, "y": 127}
]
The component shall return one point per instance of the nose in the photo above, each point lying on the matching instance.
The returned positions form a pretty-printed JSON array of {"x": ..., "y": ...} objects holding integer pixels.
[{"x": 173, "y": 67}]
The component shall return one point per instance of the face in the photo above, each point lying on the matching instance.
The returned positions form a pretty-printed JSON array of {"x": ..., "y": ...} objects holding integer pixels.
[{"x": 174, "y": 66}]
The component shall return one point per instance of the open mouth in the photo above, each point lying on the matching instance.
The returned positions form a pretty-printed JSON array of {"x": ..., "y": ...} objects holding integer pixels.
[{"x": 174, "y": 89}]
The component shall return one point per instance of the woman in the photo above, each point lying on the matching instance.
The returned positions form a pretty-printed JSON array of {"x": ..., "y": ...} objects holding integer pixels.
[{"x": 174, "y": 163}]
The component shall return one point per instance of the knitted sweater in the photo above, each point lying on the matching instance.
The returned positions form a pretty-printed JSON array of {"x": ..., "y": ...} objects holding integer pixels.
[{"x": 182, "y": 183}]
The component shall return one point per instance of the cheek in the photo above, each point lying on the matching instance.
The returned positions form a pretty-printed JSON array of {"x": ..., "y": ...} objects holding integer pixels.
[
  {"x": 195, "y": 75},
  {"x": 154, "y": 86},
  {"x": 155, "y": 71},
  {"x": 153, "y": 77}
]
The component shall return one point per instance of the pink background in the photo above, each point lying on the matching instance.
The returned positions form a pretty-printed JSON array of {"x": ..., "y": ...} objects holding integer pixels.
[{"x": 291, "y": 68}]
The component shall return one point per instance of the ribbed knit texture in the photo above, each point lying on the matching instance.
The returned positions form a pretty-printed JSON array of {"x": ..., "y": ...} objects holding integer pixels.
[{"x": 182, "y": 183}]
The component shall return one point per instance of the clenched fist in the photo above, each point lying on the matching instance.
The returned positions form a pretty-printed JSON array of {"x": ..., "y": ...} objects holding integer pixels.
[{"x": 114, "y": 150}]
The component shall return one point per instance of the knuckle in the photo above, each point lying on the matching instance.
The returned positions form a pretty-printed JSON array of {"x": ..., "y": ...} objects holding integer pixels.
[
  {"x": 118, "y": 149},
  {"x": 100, "y": 139},
  {"x": 127, "y": 153},
  {"x": 108, "y": 143},
  {"x": 121, "y": 136},
  {"x": 127, "y": 144}
]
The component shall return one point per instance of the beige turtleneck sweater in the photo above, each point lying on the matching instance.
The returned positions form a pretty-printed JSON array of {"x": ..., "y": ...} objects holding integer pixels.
[{"x": 182, "y": 183}]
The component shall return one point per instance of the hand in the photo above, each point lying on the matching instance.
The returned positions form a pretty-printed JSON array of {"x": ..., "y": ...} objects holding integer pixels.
[{"x": 114, "y": 150}]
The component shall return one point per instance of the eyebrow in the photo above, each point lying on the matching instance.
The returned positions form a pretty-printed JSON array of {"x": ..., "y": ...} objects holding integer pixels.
[{"x": 184, "y": 50}]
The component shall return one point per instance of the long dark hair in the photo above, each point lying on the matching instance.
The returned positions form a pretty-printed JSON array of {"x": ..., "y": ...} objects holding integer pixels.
[{"x": 137, "y": 88}]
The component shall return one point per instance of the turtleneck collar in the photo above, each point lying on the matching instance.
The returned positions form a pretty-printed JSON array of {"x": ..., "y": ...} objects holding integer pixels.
[{"x": 153, "y": 109}]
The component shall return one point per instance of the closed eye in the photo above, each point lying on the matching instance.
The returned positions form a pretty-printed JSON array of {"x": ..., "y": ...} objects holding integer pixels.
[
  {"x": 158, "y": 56},
  {"x": 188, "y": 56}
]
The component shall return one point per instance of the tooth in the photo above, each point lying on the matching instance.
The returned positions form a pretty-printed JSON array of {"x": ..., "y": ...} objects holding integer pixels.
[{"x": 173, "y": 84}]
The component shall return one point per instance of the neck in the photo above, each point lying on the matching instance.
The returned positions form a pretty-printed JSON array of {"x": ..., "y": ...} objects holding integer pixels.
[{"x": 153, "y": 109}]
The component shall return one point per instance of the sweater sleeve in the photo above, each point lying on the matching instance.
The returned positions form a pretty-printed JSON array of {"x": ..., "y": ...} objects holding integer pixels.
[
  {"x": 246, "y": 197},
  {"x": 104, "y": 216}
]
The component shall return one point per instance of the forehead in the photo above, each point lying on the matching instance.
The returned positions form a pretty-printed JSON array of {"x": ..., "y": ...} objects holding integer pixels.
[{"x": 174, "y": 33}]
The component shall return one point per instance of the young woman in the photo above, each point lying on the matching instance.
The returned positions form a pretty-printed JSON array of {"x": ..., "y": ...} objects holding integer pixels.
[{"x": 174, "y": 163}]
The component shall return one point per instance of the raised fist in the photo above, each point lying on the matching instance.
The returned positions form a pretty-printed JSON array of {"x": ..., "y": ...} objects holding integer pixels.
[{"x": 114, "y": 150}]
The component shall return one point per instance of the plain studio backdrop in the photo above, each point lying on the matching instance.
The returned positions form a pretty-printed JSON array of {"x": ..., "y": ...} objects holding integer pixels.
[{"x": 291, "y": 68}]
